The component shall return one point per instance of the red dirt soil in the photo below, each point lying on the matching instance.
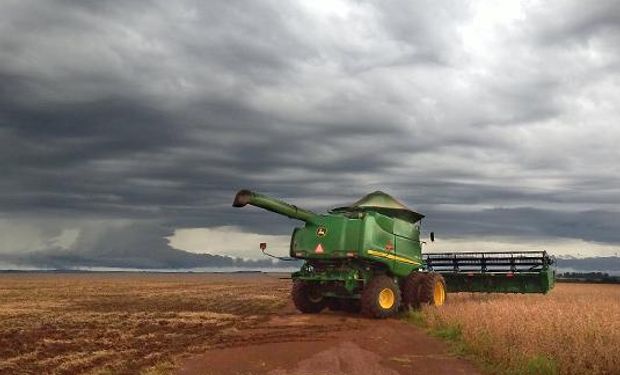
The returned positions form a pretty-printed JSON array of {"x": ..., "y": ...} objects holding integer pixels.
[{"x": 291, "y": 343}]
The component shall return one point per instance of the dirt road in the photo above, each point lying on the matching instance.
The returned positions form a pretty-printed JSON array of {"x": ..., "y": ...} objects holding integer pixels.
[
  {"x": 290, "y": 343},
  {"x": 240, "y": 324}
]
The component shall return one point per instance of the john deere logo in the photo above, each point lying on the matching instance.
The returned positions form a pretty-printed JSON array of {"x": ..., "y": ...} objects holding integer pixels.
[{"x": 321, "y": 231}]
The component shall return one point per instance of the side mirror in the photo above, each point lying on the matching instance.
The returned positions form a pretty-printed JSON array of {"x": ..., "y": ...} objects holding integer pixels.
[
  {"x": 432, "y": 236},
  {"x": 263, "y": 246}
]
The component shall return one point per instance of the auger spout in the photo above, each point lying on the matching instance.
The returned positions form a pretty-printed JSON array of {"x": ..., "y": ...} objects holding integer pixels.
[{"x": 245, "y": 197}]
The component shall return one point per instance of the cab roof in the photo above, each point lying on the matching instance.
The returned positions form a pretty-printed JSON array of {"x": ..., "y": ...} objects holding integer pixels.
[{"x": 383, "y": 203}]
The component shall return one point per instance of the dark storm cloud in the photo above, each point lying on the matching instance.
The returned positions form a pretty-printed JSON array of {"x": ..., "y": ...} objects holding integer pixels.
[
  {"x": 157, "y": 112},
  {"x": 530, "y": 223},
  {"x": 567, "y": 22}
]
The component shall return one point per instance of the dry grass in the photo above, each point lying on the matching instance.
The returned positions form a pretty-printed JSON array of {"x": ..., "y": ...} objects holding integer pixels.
[
  {"x": 124, "y": 323},
  {"x": 573, "y": 330},
  {"x": 131, "y": 323}
]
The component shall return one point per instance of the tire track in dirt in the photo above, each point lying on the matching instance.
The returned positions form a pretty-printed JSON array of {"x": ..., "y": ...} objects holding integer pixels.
[{"x": 290, "y": 343}]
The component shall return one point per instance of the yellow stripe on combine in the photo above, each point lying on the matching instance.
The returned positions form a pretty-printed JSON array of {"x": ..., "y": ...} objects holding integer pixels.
[{"x": 392, "y": 257}]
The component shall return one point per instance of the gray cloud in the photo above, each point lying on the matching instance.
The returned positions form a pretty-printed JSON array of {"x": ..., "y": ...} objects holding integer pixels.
[
  {"x": 492, "y": 121},
  {"x": 528, "y": 223}
]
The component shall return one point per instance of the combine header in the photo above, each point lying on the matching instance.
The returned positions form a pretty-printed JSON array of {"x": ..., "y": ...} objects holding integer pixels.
[
  {"x": 367, "y": 256},
  {"x": 494, "y": 272}
]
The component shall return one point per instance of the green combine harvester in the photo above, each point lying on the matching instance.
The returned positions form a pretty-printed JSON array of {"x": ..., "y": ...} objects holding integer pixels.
[{"x": 368, "y": 257}]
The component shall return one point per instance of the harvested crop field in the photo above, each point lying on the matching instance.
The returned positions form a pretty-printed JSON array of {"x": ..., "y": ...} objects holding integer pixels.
[
  {"x": 127, "y": 323},
  {"x": 575, "y": 329},
  {"x": 124, "y": 322}
]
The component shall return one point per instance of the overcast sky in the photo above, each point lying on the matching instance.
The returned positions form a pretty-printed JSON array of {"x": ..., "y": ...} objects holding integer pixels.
[{"x": 499, "y": 121}]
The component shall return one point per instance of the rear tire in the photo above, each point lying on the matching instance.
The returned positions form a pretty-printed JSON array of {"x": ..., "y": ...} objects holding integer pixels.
[
  {"x": 307, "y": 297},
  {"x": 433, "y": 289},
  {"x": 380, "y": 298},
  {"x": 411, "y": 290}
]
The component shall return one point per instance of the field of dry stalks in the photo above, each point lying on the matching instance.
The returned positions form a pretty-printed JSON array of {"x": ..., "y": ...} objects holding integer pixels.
[
  {"x": 125, "y": 323},
  {"x": 575, "y": 329}
]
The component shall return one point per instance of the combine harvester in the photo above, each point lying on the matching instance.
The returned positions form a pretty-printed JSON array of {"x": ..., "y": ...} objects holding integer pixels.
[{"x": 368, "y": 257}]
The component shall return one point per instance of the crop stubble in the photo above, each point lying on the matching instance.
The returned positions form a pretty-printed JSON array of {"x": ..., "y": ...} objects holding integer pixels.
[{"x": 123, "y": 323}]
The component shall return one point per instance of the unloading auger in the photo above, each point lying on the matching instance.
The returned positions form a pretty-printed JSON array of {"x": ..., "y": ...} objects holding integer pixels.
[{"x": 368, "y": 257}]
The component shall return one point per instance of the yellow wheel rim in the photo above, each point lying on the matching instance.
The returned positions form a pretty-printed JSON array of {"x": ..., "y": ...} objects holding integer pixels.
[
  {"x": 386, "y": 298},
  {"x": 439, "y": 294}
]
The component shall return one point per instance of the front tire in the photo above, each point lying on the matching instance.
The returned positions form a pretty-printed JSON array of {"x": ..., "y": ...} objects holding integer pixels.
[
  {"x": 433, "y": 289},
  {"x": 307, "y": 297},
  {"x": 380, "y": 298},
  {"x": 411, "y": 290}
]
